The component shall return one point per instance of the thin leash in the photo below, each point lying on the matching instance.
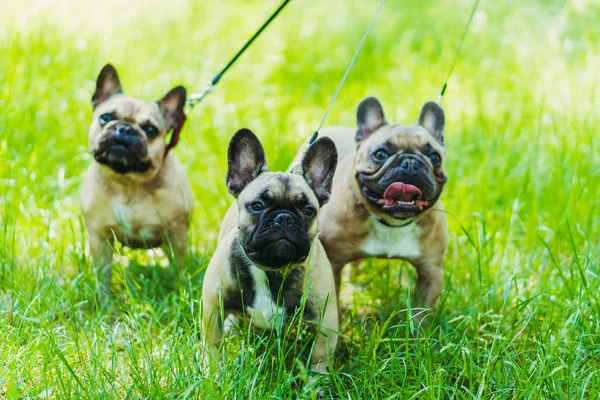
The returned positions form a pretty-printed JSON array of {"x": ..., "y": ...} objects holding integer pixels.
[
  {"x": 458, "y": 52},
  {"x": 337, "y": 92},
  {"x": 196, "y": 98}
]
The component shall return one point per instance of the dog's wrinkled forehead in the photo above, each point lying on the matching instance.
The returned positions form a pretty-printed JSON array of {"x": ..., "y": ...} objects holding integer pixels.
[
  {"x": 130, "y": 109},
  {"x": 405, "y": 137},
  {"x": 280, "y": 187}
]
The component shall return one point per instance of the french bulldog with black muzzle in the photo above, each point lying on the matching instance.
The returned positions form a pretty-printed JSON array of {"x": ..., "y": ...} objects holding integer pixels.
[
  {"x": 269, "y": 263},
  {"x": 385, "y": 201},
  {"x": 133, "y": 190}
]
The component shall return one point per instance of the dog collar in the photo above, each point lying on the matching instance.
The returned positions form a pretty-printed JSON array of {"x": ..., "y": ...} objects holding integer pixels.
[
  {"x": 174, "y": 138},
  {"x": 394, "y": 226}
]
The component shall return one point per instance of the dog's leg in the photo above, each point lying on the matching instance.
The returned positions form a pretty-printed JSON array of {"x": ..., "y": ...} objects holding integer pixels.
[
  {"x": 179, "y": 251},
  {"x": 211, "y": 328},
  {"x": 430, "y": 282},
  {"x": 337, "y": 278},
  {"x": 325, "y": 342},
  {"x": 101, "y": 258}
]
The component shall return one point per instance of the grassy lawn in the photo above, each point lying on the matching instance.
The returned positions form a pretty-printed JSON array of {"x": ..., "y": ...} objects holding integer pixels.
[{"x": 520, "y": 314}]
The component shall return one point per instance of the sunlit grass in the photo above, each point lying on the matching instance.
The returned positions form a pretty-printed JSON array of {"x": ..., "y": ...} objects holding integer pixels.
[{"x": 519, "y": 316}]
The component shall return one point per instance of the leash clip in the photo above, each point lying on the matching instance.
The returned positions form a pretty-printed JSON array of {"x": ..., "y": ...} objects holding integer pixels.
[
  {"x": 442, "y": 92},
  {"x": 196, "y": 98}
]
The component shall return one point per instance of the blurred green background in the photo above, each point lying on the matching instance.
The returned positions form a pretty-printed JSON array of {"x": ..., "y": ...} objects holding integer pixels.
[{"x": 521, "y": 303}]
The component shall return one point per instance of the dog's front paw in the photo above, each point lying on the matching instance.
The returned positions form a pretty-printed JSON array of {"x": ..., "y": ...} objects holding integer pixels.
[{"x": 315, "y": 386}]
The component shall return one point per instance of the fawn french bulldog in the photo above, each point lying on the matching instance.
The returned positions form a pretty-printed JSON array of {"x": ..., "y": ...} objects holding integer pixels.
[
  {"x": 134, "y": 190},
  {"x": 386, "y": 196},
  {"x": 269, "y": 263}
]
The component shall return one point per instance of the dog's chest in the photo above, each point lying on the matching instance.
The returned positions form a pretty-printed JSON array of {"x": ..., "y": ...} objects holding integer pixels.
[
  {"x": 136, "y": 220},
  {"x": 392, "y": 242},
  {"x": 264, "y": 312}
]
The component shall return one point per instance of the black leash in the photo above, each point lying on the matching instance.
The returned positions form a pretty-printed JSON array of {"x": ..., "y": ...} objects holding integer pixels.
[
  {"x": 196, "y": 98},
  {"x": 460, "y": 46},
  {"x": 337, "y": 92}
]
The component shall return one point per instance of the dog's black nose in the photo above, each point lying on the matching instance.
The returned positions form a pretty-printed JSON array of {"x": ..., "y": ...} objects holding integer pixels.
[
  {"x": 410, "y": 165},
  {"x": 284, "y": 219},
  {"x": 125, "y": 130}
]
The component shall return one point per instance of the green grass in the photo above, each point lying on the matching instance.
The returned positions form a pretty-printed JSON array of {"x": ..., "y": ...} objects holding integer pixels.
[{"x": 520, "y": 315}]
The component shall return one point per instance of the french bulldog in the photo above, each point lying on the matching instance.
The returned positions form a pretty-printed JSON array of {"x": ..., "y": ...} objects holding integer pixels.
[
  {"x": 133, "y": 190},
  {"x": 269, "y": 263},
  {"x": 386, "y": 196}
]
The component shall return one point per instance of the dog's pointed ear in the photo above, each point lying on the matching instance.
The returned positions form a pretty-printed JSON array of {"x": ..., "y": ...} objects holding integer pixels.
[
  {"x": 171, "y": 105},
  {"x": 245, "y": 161},
  {"x": 107, "y": 84},
  {"x": 433, "y": 119},
  {"x": 369, "y": 118},
  {"x": 318, "y": 168}
]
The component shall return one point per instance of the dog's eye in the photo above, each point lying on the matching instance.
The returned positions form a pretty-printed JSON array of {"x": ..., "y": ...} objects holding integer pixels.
[
  {"x": 105, "y": 119},
  {"x": 309, "y": 211},
  {"x": 151, "y": 131},
  {"x": 257, "y": 206},
  {"x": 380, "y": 155},
  {"x": 435, "y": 158}
]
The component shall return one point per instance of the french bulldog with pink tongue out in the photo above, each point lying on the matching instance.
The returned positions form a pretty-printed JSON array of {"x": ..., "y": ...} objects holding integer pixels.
[{"x": 385, "y": 199}]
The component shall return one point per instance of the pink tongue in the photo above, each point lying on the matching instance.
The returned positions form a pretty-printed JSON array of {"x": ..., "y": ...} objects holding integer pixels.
[{"x": 399, "y": 191}]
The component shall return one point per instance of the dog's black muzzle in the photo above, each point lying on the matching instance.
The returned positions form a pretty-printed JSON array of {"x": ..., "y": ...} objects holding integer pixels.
[
  {"x": 280, "y": 239},
  {"x": 124, "y": 150},
  {"x": 409, "y": 169},
  {"x": 403, "y": 187}
]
